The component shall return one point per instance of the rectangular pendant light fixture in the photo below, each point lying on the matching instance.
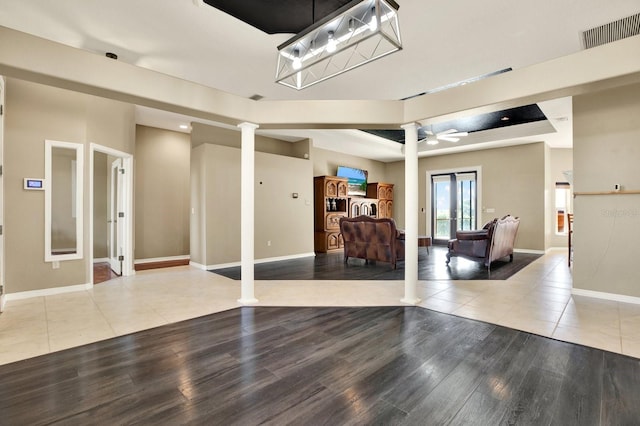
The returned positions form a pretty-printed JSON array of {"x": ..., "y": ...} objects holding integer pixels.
[{"x": 359, "y": 32}]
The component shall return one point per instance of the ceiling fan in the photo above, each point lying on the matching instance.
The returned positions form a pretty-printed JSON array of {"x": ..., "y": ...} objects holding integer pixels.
[{"x": 451, "y": 135}]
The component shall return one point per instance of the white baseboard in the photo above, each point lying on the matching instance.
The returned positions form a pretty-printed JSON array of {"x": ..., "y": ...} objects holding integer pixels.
[
  {"x": 221, "y": 266},
  {"x": 515, "y": 250},
  {"x": 3, "y": 300},
  {"x": 257, "y": 261},
  {"x": 197, "y": 265},
  {"x": 289, "y": 257},
  {"x": 606, "y": 296},
  {"x": 160, "y": 259},
  {"x": 101, "y": 260},
  {"x": 47, "y": 291}
]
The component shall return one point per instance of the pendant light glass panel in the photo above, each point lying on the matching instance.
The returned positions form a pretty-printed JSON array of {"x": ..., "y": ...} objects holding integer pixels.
[{"x": 354, "y": 36}]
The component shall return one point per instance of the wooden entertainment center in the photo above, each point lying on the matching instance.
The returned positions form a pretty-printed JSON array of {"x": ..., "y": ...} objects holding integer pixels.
[{"x": 331, "y": 202}]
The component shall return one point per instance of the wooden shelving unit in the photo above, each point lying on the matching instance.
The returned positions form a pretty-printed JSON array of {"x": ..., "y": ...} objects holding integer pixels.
[
  {"x": 383, "y": 192},
  {"x": 331, "y": 203}
]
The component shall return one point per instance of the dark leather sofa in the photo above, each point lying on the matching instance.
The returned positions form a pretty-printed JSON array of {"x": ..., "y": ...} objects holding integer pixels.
[
  {"x": 372, "y": 239},
  {"x": 494, "y": 241}
]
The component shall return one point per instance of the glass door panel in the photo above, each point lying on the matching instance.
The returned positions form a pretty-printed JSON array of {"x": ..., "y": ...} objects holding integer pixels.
[
  {"x": 466, "y": 201},
  {"x": 442, "y": 212}
]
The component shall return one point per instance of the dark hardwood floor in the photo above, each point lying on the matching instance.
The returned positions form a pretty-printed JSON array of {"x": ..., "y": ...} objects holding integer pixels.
[
  {"x": 334, "y": 366},
  {"x": 102, "y": 272},
  {"x": 431, "y": 266}
]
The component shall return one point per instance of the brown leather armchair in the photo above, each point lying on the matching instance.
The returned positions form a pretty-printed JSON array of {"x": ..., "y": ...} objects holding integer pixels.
[
  {"x": 372, "y": 239},
  {"x": 493, "y": 242}
]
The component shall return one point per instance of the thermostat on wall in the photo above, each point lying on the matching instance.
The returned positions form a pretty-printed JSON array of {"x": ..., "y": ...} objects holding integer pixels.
[{"x": 32, "y": 183}]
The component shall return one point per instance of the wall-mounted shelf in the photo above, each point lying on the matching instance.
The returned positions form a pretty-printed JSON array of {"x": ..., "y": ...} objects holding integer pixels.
[{"x": 625, "y": 192}]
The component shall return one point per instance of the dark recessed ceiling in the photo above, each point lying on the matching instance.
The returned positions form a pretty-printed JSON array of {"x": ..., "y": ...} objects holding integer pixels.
[
  {"x": 478, "y": 123},
  {"x": 278, "y": 16}
]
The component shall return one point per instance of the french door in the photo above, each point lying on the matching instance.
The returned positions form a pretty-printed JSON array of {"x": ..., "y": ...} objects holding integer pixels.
[{"x": 453, "y": 204}]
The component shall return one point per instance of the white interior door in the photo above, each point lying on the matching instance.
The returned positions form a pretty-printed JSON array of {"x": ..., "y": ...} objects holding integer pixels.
[
  {"x": 116, "y": 214},
  {"x": 2, "y": 290}
]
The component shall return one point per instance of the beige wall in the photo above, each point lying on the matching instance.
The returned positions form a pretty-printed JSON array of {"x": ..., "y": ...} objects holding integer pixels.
[
  {"x": 513, "y": 182},
  {"x": 34, "y": 113},
  {"x": 325, "y": 163},
  {"x": 198, "y": 223},
  {"x": 162, "y": 169},
  {"x": 549, "y": 203},
  {"x": 222, "y": 204},
  {"x": 284, "y": 221},
  {"x": 607, "y": 227},
  {"x": 202, "y": 133}
]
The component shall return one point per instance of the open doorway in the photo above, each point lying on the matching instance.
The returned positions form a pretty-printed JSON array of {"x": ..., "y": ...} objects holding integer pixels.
[{"x": 111, "y": 247}]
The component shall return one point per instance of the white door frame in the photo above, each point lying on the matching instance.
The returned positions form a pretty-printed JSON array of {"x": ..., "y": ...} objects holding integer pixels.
[
  {"x": 115, "y": 226},
  {"x": 2, "y": 264},
  {"x": 127, "y": 196},
  {"x": 430, "y": 173}
]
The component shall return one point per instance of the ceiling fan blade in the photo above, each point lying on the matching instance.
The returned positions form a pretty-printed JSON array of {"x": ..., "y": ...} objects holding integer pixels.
[
  {"x": 457, "y": 134},
  {"x": 448, "y": 139},
  {"x": 446, "y": 132}
]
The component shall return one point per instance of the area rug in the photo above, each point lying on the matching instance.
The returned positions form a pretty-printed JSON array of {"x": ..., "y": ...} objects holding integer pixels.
[{"x": 431, "y": 266}]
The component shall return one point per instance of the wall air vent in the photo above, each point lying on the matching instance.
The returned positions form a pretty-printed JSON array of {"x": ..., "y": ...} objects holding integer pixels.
[
  {"x": 613, "y": 31},
  {"x": 256, "y": 97}
]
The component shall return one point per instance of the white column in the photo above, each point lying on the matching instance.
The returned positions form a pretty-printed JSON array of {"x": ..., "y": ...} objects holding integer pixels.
[
  {"x": 247, "y": 212},
  {"x": 411, "y": 213}
]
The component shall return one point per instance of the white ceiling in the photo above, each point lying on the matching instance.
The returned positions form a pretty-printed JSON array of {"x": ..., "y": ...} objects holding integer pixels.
[{"x": 444, "y": 41}]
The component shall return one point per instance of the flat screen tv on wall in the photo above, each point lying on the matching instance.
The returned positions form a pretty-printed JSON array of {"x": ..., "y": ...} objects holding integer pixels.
[{"x": 357, "y": 180}]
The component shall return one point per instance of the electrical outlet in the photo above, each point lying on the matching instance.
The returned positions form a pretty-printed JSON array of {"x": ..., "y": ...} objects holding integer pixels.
[
  {"x": 269, "y": 243},
  {"x": 55, "y": 264}
]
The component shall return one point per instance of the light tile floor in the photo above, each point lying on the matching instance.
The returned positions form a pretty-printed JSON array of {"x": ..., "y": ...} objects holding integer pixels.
[{"x": 538, "y": 300}]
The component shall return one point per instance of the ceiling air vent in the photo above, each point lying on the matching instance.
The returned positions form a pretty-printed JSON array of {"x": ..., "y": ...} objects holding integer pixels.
[{"x": 613, "y": 31}]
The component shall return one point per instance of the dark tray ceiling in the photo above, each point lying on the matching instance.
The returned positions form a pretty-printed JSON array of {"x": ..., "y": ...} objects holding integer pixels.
[
  {"x": 278, "y": 16},
  {"x": 477, "y": 123}
]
